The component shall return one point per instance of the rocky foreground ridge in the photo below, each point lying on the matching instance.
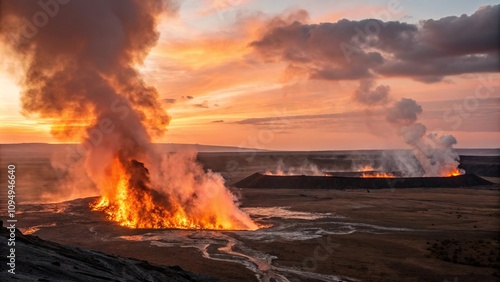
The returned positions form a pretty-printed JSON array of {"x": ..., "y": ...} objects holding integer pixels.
[{"x": 35, "y": 259}]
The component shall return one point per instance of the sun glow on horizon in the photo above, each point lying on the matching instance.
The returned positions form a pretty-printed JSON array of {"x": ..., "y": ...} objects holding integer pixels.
[{"x": 213, "y": 84}]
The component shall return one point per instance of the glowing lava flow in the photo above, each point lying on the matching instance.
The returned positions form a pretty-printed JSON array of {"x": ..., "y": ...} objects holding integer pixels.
[
  {"x": 132, "y": 203},
  {"x": 377, "y": 175},
  {"x": 277, "y": 173}
]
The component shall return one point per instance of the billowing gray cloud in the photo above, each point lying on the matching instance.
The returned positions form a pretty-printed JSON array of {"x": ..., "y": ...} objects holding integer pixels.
[
  {"x": 404, "y": 112},
  {"x": 367, "y": 48}
]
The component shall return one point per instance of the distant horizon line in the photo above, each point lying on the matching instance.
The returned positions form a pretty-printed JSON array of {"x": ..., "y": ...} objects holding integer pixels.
[{"x": 259, "y": 149}]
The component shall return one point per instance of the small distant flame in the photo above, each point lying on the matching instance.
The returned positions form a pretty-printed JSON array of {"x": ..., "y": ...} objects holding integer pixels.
[
  {"x": 377, "y": 175},
  {"x": 277, "y": 173},
  {"x": 366, "y": 168},
  {"x": 282, "y": 173},
  {"x": 455, "y": 172}
]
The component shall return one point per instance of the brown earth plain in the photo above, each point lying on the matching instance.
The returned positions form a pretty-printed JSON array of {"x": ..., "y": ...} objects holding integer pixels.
[{"x": 417, "y": 234}]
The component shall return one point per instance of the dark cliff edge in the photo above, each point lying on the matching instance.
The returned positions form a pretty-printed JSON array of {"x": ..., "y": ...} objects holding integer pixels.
[
  {"x": 259, "y": 180},
  {"x": 40, "y": 260}
]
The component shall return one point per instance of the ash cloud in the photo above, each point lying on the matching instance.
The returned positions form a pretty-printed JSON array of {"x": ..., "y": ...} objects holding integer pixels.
[
  {"x": 80, "y": 72},
  {"x": 82, "y": 62},
  {"x": 81, "y": 65}
]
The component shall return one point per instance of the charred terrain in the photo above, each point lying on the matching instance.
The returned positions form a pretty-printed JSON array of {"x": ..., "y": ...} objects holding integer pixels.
[
  {"x": 398, "y": 234},
  {"x": 259, "y": 180},
  {"x": 40, "y": 260}
]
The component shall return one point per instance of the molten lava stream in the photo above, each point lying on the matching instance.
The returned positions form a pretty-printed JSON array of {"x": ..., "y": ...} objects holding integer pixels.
[
  {"x": 129, "y": 200},
  {"x": 377, "y": 175}
]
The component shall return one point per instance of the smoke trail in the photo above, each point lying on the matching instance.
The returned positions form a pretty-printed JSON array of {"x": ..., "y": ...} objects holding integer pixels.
[
  {"x": 434, "y": 152},
  {"x": 368, "y": 95},
  {"x": 306, "y": 168},
  {"x": 368, "y": 48},
  {"x": 80, "y": 60}
]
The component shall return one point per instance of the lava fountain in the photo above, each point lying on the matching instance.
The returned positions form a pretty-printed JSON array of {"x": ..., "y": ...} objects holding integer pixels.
[
  {"x": 132, "y": 202},
  {"x": 80, "y": 74}
]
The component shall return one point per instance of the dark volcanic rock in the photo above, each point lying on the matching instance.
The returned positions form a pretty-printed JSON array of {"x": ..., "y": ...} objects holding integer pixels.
[
  {"x": 481, "y": 165},
  {"x": 258, "y": 180},
  {"x": 39, "y": 260}
]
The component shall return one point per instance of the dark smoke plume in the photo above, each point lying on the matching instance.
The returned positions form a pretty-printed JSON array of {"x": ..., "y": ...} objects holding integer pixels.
[{"x": 80, "y": 60}]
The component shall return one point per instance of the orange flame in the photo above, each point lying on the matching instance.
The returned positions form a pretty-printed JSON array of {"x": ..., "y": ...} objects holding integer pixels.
[
  {"x": 377, "y": 175},
  {"x": 135, "y": 205},
  {"x": 454, "y": 172}
]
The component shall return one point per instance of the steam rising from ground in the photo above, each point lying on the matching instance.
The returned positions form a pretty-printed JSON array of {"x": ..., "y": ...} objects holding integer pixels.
[
  {"x": 434, "y": 152},
  {"x": 306, "y": 168},
  {"x": 80, "y": 60}
]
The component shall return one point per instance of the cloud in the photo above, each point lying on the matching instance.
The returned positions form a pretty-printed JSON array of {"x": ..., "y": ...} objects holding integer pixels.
[
  {"x": 203, "y": 105},
  {"x": 220, "y": 7},
  {"x": 464, "y": 35},
  {"x": 187, "y": 97},
  {"x": 288, "y": 119},
  {"x": 367, "y": 48},
  {"x": 169, "y": 100}
]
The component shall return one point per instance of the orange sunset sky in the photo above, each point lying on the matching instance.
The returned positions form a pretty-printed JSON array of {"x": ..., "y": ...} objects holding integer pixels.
[{"x": 225, "y": 77}]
